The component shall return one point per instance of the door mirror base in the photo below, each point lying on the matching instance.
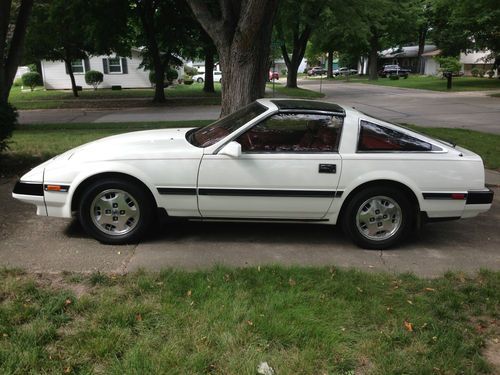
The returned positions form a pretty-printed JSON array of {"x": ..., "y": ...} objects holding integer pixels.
[{"x": 232, "y": 149}]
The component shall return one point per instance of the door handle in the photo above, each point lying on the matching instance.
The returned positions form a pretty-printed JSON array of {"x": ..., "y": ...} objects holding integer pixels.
[{"x": 327, "y": 168}]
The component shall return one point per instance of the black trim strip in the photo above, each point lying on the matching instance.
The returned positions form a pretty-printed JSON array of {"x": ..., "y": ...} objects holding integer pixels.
[
  {"x": 480, "y": 197},
  {"x": 252, "y": 192},
  {"x": 442, "y": 196},
  {"x": 64, "y": 188},
  {"x": 25, "y": 188},
  {"x": 268, "y": 193},
  {"x": 201, "y": 218},
  {"x": 177, "y": 191}
]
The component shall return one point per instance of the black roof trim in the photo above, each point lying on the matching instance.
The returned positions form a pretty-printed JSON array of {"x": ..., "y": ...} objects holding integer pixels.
[{"x": 308, "y": 105}]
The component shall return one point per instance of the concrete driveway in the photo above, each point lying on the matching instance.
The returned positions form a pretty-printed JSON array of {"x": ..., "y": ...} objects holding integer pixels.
[{"x": 53, "y": 245}]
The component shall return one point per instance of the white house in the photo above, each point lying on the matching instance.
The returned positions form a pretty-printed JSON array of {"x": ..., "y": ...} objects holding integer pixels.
[{"x": 117, "y": 70}]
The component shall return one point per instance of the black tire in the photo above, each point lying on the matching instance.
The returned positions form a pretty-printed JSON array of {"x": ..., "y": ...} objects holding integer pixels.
[
  {"x": 199, "y": 80},
  {"x": 358, "y": 203},
  {"x": 136, "y": 198}
]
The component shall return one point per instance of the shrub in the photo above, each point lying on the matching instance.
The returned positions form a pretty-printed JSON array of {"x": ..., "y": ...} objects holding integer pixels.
[
  {"x": 116, "y": 87},
  {"x": 33, "y": 68},
  {"x": 449, "y": 64},
  {"x": 474, "y": 72},
  {"x": 490, "y": 73},
  {"x": 31, "y": 79},
  {"x": 284, "y": 72},
  {"x": 94, "y": 78},
  {"x": 172, "y": 74},
  {"x": 393, "y": 77},
  {"x": 190, "y": 71},
  {"x": 187, "y": 80},
  {"x": 8, "y": 121},
  {"x": 18, "y": 82},
  {"x": 481, "y": 73}
]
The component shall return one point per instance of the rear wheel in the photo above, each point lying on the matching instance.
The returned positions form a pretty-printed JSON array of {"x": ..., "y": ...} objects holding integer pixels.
[
  {"x": 199, "y": 80},
  {"x": 378, "y": 217},
  {"x": 115, "y": 211}
]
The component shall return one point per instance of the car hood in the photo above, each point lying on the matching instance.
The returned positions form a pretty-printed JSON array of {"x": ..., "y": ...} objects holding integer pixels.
[{"x": 148, "y": 144}]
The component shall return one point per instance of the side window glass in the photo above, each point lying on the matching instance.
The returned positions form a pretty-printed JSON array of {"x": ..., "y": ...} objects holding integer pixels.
[
  {"x": 295, "y": 132},
  {"x": 374, "y": 137}
]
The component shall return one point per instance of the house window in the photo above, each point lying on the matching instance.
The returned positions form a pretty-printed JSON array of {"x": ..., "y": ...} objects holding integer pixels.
[
  {"x": 115, "y": 65},
  {"x": 78, "y": 67}
]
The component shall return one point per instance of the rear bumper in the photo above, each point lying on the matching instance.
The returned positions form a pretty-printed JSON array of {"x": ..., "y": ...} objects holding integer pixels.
[
  {"x": 480, "y": 197},
  {"x": 477, "y": 202}
]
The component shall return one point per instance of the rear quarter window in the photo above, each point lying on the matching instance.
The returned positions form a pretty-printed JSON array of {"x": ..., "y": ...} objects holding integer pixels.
[{"x": 377, "y": 138}]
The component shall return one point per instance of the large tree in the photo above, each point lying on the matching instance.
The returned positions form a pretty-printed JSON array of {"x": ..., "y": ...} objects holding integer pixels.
[
  {"x": 14, "y": 17},
  {"x": 461, "y": 25},
  {"x": 295, "y": 22},
  {"x": 72, "y": 30},
  {"x": 241, "y": 31}
]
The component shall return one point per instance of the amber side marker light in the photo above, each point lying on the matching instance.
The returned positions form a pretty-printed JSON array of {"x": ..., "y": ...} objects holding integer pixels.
[{"x": 56, "y": 188}]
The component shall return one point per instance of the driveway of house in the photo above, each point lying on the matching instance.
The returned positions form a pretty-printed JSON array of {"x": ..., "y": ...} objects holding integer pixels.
[{"x": 52, "y": 245}]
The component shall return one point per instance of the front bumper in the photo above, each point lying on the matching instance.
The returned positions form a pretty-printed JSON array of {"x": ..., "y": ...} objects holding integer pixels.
[{"x": 32, "y": 193}]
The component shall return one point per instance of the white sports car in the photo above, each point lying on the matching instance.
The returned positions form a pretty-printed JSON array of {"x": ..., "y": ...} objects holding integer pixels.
[{"x": 275, "y": 160}]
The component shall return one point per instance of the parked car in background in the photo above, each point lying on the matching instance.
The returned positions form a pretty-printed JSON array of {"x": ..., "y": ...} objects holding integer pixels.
[
  {"x": 201, "y": 77},
  {"x": 316, "y": 71},
  {"x": 389, "y": 70},
  {"x": 273, "y": 75},
  {"x": 275, "y": 160},
  {"x": 345, "y": 70}
]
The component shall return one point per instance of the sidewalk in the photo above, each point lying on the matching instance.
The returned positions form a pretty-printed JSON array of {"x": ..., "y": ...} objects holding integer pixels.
[{"x": 492, "y": 178}]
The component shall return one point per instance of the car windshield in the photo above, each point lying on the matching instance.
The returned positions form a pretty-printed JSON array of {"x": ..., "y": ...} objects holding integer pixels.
[{"x": 218, "y": 130}]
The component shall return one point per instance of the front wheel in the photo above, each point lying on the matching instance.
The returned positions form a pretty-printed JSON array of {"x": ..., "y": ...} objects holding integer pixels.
[
  {"x": 378, "y": 217},
  {"x": 115, "y": 211},
  {"x": 199, "y": 80}
]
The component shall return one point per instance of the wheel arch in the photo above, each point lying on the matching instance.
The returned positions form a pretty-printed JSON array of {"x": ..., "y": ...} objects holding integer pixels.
[
  {"x": 409, "y": 192},
  {"x": 75, "y": 199}
]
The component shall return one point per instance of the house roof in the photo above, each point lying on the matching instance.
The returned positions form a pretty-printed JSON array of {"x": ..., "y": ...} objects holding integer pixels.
[
  {"x": 408, "y": 51},
  {"x": 436, "y": 52}
]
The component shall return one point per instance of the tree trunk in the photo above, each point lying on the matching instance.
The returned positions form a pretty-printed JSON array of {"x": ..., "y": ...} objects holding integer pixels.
[
  {"x": 208, "y": 85},
  {"x": 299, "y": 49},
  {"x": 159, "y": 82},
  {"x": 146, "y": 14},
  {"x": 69, "y": 68},
  {"x": 242, "y": 35},
  {"x": 9, "y": 60},
  {"x": 329, "y": 67},
  {"x": 421, "y": 45},
  {"x": 373, "y": 60}
]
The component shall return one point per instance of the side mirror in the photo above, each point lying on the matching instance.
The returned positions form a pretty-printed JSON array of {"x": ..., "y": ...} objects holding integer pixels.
[{"x": 232, "y": 149}]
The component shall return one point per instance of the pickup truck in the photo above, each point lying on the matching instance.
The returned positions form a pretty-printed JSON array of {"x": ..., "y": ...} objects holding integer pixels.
[{"x": 389, "y": 70}]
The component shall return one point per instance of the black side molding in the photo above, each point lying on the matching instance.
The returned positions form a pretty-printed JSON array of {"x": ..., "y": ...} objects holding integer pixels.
[
  {"x": 177, "y": 191},
  {"x": 26, "y": 188},
  {"x": 479, "y": 197},
  {"x": 251, "y": 192}
]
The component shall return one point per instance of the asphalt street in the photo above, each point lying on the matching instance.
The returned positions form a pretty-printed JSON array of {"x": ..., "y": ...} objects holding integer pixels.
[
  {"x": 52, "y": 245},
  {"x": 472, "y": 110}
]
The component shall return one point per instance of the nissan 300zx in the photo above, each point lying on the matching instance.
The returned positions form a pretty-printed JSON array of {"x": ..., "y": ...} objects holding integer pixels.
[{"x": 275, "y": 160}]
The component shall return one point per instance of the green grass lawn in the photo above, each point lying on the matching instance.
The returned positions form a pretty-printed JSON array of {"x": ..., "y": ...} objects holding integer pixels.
[
  {"x": 434, "y": 83},
  {"x": 33, "y": 144},
  {"x": 484, "y": 144},
  {"x": 282, "y": 90},
  {"x": 47, "y": 99},
  {"x": 227, "y": 321}
]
